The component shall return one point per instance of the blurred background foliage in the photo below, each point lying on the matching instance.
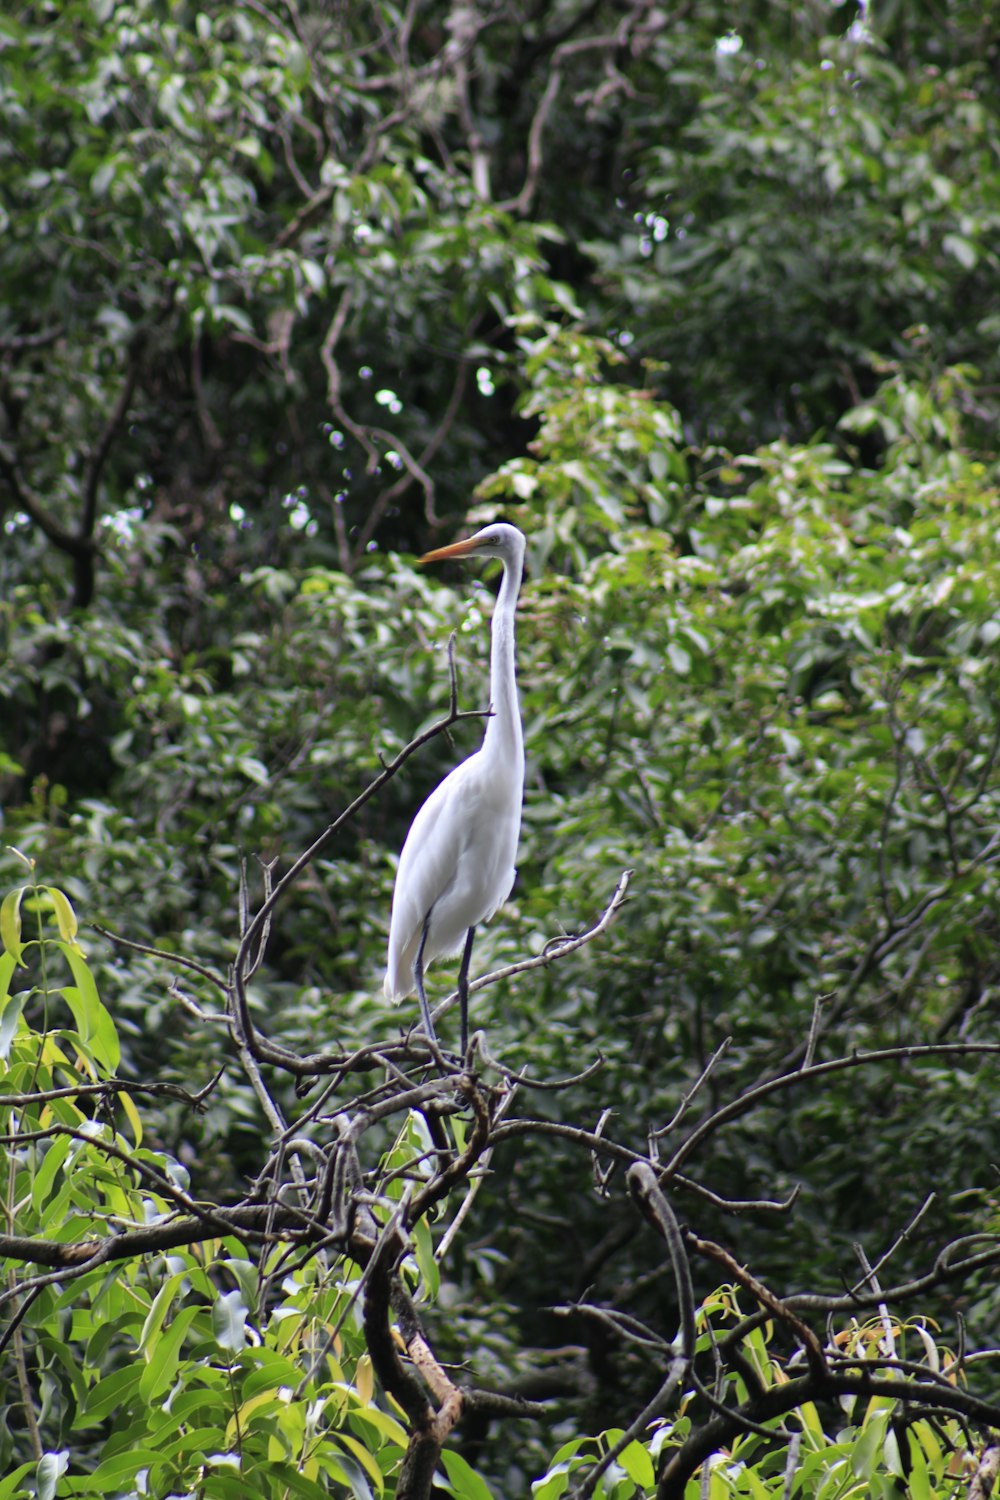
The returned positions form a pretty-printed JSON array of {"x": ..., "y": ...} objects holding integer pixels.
[{"x": 703, "y": 299}]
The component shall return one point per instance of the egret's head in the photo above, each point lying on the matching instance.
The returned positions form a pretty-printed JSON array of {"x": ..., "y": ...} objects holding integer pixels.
[{"x": 498, "y": 540}]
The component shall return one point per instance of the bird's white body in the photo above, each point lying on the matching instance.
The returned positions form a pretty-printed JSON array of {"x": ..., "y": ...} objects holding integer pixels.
[
  {"x": 445, "y": 869},
  {"x": 457, "y": 864}
]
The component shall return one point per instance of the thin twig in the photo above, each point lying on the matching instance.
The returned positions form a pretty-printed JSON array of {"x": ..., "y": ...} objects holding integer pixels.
[
  {"x": 699, "y": 1083},
  {"x": 900, "y": 1239},
  {"x": 752, "y": 1097}
]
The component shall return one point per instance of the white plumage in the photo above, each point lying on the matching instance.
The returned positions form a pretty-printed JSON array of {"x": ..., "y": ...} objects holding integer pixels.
[{"x": 457, "y": 864}]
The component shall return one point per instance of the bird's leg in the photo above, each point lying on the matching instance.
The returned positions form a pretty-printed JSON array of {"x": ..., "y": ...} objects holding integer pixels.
[
  {"x": 418, "y": 976},
  {"x": 463, "y": 989}
]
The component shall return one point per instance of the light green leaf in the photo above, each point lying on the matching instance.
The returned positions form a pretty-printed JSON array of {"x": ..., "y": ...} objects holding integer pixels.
[
  {"x": 52, "y": 1162},
  {"x": 11, "y": 1488},
  {"x": 9, "y": 1016},
  {"x": 93, "y": 1021},
  {"x": 165, "y": 1356},
  {"x": 65, "y": 915},
  {"x": 10, "y": 923},
  {"x": 465, "y": 1482},
  {"x": 229, "y": 1321},
  {"x": 638, "y": 1465},
  {"x": 158, "y": 1311},
  {"x": 51, "y": 1468},
  {"x": 680, "y": 659}
]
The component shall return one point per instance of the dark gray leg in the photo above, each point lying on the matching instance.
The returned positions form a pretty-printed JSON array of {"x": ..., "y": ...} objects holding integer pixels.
[
  {"x": 418, "y": 975},
  {"x": 463, "y": 990}
]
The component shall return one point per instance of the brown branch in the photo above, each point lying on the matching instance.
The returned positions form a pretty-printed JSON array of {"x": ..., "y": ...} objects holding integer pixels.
[
  {"x": 246, "y": 1220},
  {"x": 779, "y": 1400},
  {"x": 426, "y": 456},
  {"x": 598, "y": 1144},
  {"x": 24, "y": 1387},
  {"x": 610, "y": 42},
  {"x": 557, "y": 948},
  {"x": 365, "y": 433},
  {"x": 25, "y": 499},
  {"x": 479, "y": 1138},
  {"x": 652, "y": 1204},
  {"x": 766, "y": 1298},
  {"x": 385, "y": 1297},
  {"x": 110, "y": 1086},
  {"x": 179, "y": 959},
  {"x": 98, "y": 455},
  {"x": 749, "y": 1100},
  {"x": 987, "y": 1469}
]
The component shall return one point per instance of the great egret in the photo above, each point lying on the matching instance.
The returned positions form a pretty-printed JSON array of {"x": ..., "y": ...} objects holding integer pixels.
[{"x": 457, "y": 863}]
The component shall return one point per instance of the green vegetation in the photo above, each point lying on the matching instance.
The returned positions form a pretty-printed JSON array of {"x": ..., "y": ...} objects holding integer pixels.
[{"x": 705, "y": 303}]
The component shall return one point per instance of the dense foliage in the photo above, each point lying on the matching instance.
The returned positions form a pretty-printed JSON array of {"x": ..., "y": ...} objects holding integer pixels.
[{"x": 704, "y": 302}]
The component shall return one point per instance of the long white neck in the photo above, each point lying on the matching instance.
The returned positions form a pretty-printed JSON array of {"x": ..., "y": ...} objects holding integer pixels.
[{"x": 503, "y": 729}]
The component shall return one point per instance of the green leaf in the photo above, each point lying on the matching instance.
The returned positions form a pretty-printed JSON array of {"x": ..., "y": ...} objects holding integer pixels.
[
  {"x": 65, "y": 915},
  {"x": 680, "y": 659},
  {"x": 132, "y": 1115},
  {"x": 159, "y": 1308},
  {"x": 229, "y": 1321},
  {"x": 360, "y": 1454},
  {"x": 868, "y": 1447},
  {"x": 164, "y": 1356},
  {"x": 355, "y": 1476},
  {"x": 51, "y": 1468},
  {"x": 553, "y": 1483},
  {"x": 8, "y": 963},
  {"x": 52, "y": 1162},
  {"x": 10, "y": 923},
  {"x": 109, "y": 1395},
  {"x": 297, "y": 1484},
  {"x": 253, "y": 769},
  {"x": 961, "y": 249},
  {"x": 465, "y": 1482},
  {"x": 118, "y": 1472},
  {"x": 9, "y": 1016},
  {"x": 11, "y": 1488},
  {"x": 423, "y": 1248},
  {"x": 93, "y": 1021},
  {"x": 638, "y": 1465},
  {"x": 385, "y": 1425}
]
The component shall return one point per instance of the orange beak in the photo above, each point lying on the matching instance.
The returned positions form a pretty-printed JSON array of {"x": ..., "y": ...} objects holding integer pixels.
[{"x": 456, "y": 549}]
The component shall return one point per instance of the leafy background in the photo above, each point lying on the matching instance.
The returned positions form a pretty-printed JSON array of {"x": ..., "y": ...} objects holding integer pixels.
[{"x": 707, "y": 306}]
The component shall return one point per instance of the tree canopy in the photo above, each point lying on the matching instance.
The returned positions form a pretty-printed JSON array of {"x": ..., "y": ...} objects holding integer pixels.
[{"x": 702, "y": 298}]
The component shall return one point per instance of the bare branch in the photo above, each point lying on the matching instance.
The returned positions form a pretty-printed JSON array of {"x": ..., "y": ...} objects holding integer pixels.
[
  {"x": 699, "y": 1083},
  {"x": 652, "y": 1202},
  {"x": 752, "y": 1097},
  {"x": 901, "y": 1238},
  {"x": 558, "y": 948},
  {"x": 177, "y": 960},
  {"x": 766, "y": 1298},
  {"x": 77, "y": 547},
  {"x": 98, "y": 455},
  {"x": 739, "y": 1205},
  {"x": 987, "y": 1470}
]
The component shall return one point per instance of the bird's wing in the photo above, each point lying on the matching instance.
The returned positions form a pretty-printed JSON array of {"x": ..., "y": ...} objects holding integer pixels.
[{"x": 427, "y": 865}]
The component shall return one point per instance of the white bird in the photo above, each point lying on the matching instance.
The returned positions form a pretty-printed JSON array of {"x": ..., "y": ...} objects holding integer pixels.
[{"x": 457, "y": 863}]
